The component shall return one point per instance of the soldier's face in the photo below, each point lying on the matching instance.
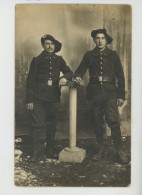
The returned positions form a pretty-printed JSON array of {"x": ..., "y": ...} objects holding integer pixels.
[
  {"x": 49, "y": 46},
  {"x": 100, "y": 41}
]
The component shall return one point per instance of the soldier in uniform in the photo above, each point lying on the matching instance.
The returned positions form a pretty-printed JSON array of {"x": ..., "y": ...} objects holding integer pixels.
[
  {"x": 43, "y": 91},
  {"x": 106, "y": 89}
]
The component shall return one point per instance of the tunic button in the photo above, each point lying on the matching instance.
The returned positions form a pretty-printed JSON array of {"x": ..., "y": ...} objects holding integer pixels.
[
  {"x": 101, "y": 83},
  {"x": 50, "y": 73},
  {"x": 100, "y": 62},
  {"x": 50, "y": 62},
  {"x": 101, "y": 53},
  {"x": 101, "y": 58},
  {"x": 101, "y": 67},
  {"x": 50, "y": 67},
  {"x": 101, "y": 73}
]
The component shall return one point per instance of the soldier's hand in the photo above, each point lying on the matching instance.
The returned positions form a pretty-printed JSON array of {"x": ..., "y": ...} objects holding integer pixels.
[
  {"x": 30, "y": 106},
  {"x": 78, "y": 79},
  {"x": 120, "y": 102},
  {"x": 62, "y": 82}
]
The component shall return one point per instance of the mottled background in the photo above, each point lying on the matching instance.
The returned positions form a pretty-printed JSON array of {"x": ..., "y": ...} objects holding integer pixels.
[{"x": 71, "y": 25}]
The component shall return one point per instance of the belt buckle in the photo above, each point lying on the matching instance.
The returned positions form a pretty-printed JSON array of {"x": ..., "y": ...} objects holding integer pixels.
[
  {"x": 100, "y": 78},
  {"x": 49, "y": 82}
]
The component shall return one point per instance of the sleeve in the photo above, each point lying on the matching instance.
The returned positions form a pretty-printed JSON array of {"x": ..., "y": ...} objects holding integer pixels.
[
  {"x": 120, "y": 77},
  {"x": 68, "y": 74},
  {"x": 31, "y": 79},
  {"x": 82, "y": 67}
]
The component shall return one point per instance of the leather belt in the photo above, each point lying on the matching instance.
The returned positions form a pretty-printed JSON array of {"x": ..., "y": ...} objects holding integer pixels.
[{"x": 101, "y": 79}]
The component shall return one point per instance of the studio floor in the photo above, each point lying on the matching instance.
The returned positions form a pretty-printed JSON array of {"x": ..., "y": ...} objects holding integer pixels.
[{"x": 90, "y": 173}]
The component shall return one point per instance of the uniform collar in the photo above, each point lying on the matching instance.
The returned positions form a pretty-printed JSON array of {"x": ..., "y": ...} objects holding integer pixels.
[
  {"x": 44, "y": 56},
  {"x": 97, "y": 52},
  {"x": 47, "y": 56}
]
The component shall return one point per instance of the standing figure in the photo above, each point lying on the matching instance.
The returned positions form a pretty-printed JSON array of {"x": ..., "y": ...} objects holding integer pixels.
[
  {"x": 43, "y": 91},
  {"x": 106, "y": 88}
]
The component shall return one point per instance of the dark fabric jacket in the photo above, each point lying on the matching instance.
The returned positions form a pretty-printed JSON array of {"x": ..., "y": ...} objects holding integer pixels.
[
  {"x": 43, "y": 68},
  {"x": 107, "y": 64}
]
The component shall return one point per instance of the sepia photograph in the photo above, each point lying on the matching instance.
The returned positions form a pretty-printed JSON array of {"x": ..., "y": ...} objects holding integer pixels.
[{"x": 72, "y": 95}]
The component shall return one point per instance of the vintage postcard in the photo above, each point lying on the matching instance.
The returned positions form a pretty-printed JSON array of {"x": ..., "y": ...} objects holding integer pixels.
[{"x": 73, "y": 95}]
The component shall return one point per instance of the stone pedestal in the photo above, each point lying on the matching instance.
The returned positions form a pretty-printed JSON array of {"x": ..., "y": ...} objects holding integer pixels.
[
  {"x": 72, "y": 153},
  {"x": 76, "y": 155}
]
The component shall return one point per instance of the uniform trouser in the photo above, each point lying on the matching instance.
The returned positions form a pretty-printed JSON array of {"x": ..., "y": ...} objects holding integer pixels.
[
  {"x": 43, "y": 115},
  {"x": 110, "y": 110}
]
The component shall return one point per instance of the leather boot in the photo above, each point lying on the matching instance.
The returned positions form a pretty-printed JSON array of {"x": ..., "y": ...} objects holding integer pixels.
[
  {"x": 49, "y": 152},
  {"x": 122, "y": 157},
  {"x": 116, "y": 135},
  {"x": 35, "y": 145},
  {"x": 34, "y": 156},
  {"x": 50, "y": 140},
  {"x": 100, "y": 153}
]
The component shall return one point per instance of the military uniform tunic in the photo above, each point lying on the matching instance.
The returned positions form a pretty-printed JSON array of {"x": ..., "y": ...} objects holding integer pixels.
[
  {"x": 44, "y": 76},
  {"x": 105, "y": 64}
]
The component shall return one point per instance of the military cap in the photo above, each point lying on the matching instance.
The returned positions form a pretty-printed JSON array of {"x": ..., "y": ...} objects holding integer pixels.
[
  {"x": 103, "y": 31},
  {"x": 58, "y": 45}
]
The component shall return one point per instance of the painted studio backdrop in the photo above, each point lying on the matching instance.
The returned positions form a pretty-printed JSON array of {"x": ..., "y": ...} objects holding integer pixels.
[{"x": 71, "y": 25}]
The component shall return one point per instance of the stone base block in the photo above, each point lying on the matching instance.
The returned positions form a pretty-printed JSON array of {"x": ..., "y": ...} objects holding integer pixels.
[{"x": 76, "y": 155}]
